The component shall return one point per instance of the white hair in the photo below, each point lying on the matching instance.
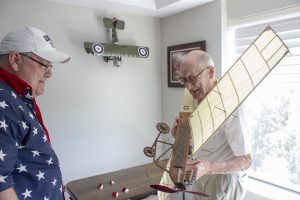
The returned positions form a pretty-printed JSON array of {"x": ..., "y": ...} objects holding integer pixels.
[{"x": 205, "y": 60}]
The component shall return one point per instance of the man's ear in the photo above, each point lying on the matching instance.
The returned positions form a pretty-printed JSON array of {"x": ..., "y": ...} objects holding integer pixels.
[
  {"x": 14, "y": 59},
  {"x": 211, "y": 72}
]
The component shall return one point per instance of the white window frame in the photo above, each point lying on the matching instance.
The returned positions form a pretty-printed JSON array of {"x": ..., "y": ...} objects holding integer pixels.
[{"x": 258, "y": 187}]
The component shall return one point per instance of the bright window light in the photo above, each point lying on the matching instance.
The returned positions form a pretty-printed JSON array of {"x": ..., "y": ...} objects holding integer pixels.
[{"x": 273, "y": 109}]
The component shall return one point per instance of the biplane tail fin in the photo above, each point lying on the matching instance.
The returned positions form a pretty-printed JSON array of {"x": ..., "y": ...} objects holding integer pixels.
[{"x": 113, "y": 23}]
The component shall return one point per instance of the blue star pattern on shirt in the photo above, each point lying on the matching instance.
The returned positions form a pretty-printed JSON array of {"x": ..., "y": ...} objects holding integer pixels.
[{"x": 28, "y": 163}]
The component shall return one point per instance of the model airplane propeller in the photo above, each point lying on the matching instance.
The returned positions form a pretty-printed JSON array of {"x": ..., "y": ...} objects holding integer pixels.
[{"x": 114, "y": 51}]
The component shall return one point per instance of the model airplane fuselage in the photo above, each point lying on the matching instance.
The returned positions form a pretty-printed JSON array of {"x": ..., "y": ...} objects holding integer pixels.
[{"x": 114, "y": 51}]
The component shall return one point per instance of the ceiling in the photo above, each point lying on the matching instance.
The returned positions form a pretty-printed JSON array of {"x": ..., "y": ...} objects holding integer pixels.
[{"x": 153, "y": 8}]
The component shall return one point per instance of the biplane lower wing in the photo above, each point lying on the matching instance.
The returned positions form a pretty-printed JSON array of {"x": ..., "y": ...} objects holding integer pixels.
[
  {"x": 110, "y": 49},
  {"x": 235, "y": 85}
]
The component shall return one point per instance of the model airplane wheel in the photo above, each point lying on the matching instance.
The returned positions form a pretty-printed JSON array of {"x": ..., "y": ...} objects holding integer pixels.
[
  {"x": 163, "y": 127},
  {"x": 106, "y": 58},
  {"x": 149, "y": 151}
]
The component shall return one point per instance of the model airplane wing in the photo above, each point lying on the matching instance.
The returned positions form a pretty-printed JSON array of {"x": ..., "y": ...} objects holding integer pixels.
[{"x": 109, "y": 49}]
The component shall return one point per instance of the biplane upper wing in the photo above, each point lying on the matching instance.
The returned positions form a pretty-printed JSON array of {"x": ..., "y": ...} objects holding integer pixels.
[
  {"x": 235, "y": 85},
  {"x": 109, "y": 49},
  {"x": 108, "y": 23}
]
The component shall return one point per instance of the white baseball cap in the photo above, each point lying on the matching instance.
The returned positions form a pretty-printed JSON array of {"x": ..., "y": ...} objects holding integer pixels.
[{"x": 31, "y": 39}]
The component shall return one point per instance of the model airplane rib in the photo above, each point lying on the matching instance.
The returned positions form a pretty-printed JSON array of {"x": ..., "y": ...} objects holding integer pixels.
[
  {"x": 114, "y": 51},
  {"x": 235, "y": 85}
]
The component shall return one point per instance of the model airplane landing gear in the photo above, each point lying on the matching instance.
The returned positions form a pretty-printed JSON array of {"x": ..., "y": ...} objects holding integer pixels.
[
  {"x": 117, "y": 60},
  {"x": 106, "y": 58}
]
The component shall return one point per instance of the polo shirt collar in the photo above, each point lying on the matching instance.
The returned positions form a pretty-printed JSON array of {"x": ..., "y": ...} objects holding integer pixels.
[{"x": 17, "y": 84}]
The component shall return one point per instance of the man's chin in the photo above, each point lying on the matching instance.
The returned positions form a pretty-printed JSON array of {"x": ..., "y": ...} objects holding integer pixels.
[
  {"x": 197, "y": 96},
  {"x": 39, "y": 92}
]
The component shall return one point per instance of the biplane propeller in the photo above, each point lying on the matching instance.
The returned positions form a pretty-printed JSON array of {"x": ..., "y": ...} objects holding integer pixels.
[{"x": 113, "y": 51}]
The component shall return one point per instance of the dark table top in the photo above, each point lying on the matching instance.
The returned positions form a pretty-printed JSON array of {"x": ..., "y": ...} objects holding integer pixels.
[{"x": 134, "y": 178}]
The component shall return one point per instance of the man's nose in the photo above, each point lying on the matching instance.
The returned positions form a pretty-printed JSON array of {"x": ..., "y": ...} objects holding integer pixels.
[
  {"x": 49, "y": 73},
  {"x": 188, "y": 85}
]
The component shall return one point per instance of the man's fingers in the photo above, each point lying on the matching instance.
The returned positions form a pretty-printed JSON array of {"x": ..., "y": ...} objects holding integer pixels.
[
  {"x": 193, "y": 162},
  {"x": 191, "y": 167}
]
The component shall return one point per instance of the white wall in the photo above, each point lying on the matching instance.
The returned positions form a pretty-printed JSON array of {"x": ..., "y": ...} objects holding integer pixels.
[
  {"x": 201, "y": 23},
  {"x": 99, "y": 117}
]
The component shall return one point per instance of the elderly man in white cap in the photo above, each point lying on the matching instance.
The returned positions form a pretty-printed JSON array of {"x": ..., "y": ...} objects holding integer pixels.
[{"x": 29, "y": 168}]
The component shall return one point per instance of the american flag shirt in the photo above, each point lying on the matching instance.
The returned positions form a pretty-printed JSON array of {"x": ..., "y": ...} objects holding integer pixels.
[{"x": 28, "y": 163}]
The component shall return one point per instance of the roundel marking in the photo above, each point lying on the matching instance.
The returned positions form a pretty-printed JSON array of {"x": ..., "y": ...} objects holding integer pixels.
[
  {"x": 143, "y": 52},
  {"x": 98, "y": 49}
]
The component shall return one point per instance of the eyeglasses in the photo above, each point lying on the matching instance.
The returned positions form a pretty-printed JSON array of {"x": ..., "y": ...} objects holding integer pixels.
[
  {"x": 191, "y": 79},
  {"x": 48, "y": 67}
]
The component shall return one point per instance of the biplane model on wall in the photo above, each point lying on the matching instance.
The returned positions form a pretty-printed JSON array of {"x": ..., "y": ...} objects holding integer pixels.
[{"x": 113, "y": 51}]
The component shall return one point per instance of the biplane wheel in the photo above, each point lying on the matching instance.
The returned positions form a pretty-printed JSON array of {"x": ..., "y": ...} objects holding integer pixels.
[
  {"x": 163, "y": 127},
  {"x": 106, "y": 58},
  {"x": 149, "y": 151}
]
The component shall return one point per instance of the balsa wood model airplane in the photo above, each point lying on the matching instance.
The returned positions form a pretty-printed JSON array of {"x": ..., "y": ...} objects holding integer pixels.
[{"x": 197, "y": 126}]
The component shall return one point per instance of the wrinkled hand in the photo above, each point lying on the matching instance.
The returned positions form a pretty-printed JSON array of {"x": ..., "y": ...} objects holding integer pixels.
[
  {"x": 199, "y": 168},
  {"x": 174, "y": 128}
]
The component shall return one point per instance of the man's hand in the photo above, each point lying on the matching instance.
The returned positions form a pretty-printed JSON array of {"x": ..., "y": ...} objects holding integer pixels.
[
  {"x": 199, "y": 168},
  {"x": 206, "y": 167}
]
